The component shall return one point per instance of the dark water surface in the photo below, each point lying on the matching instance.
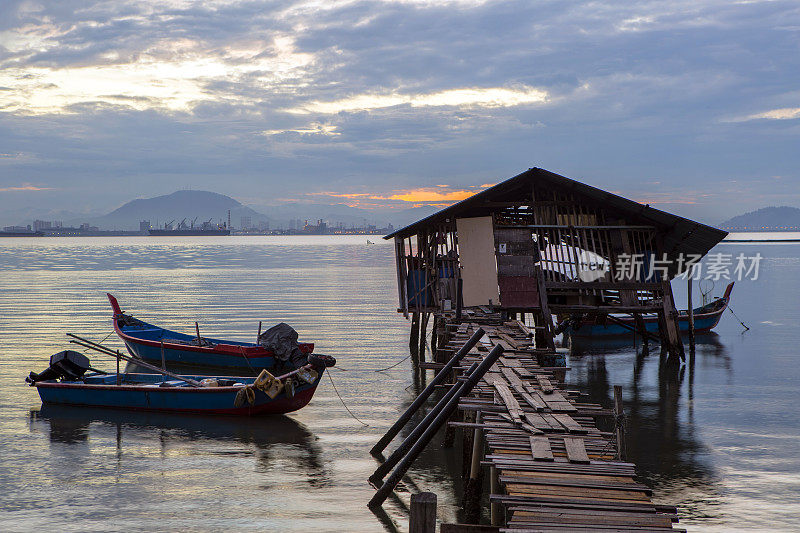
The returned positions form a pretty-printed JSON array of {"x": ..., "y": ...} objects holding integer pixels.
[{"x": 721, "y": 440}]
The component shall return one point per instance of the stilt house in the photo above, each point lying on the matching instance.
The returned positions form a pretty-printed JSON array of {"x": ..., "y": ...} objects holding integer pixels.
[{"x": 544, "y": 244}]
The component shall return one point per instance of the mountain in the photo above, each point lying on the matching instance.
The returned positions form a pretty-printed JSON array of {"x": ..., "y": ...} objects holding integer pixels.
[
  {"x": 774, "y": 218},
  {"x": 200, "y": 205},
  {"x": 204, "y": 205}
]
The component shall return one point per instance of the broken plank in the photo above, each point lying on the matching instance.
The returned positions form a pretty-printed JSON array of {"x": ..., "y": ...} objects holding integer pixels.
[
  {"x": 545, "y": 384},
  {"x": 540, "y": 449},
  {"x": 508, "y": 398},
  {"x": 576, "y": 451},
  {"x": 569, "y": 423}
]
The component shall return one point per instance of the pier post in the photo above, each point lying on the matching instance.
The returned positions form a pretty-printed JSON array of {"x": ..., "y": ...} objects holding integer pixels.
[
  {"x": 640, "y": 325},
  {"x": 423, "y": 334},
  {"x": 413, "y": 341},
  {"x": 619, "y": 419},
  {"x": 494, "y": 488},
  {"x": 472, "y": 488},
  {"x": 423, "y": 513},
  {"x": 690, "y": 312}
]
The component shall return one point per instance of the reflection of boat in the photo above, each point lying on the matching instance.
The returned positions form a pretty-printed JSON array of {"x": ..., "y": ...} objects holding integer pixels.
[
  {"x": 148, "y": 342},
  {"x": 706, "y": 318},
  {"x": 71, "y": 423},
  {"x": 209, "y": 395}
]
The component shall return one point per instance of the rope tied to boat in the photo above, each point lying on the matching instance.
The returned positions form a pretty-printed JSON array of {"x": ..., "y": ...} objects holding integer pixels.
[
  {"x": 739, "y": 319},
  {"x": 344, "y": 404}
]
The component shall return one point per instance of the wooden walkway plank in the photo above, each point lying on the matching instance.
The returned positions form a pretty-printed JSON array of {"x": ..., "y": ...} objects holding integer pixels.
[
  {"x": 508, "y": 398},
  {"x": 569, "y": 423},
  {"x": 540, "y": 449},
  {"x": 576, "y": 452}
]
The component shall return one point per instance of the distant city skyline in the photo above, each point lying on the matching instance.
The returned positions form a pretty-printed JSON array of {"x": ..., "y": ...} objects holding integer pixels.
[{"x": 691, "y": 107}]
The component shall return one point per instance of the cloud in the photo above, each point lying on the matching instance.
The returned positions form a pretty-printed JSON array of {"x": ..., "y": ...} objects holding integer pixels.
[
  {"x": 786, "y": 113},
  {"x": 113, "y": 100},
  {"x": 25, "y": 188},
  {"x": 439, "y": 195},
  {"x": 467, "y": 97}
]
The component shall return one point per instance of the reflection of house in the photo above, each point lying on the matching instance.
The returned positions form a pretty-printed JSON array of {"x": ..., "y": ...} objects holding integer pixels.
[{"x": 541, "y": 243}]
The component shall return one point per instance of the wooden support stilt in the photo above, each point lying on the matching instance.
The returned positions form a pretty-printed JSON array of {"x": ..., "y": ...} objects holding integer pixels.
[
  {"x": 619, "y": 425},
  {"x": 413, "y": 341},
  {"x": 640, "y": 325},
  {"x": 494, "y": 488},
  {"x": 690, "y": 312},
  {"x": 423, "y": 335},
  {"x": 459, "y": 298},
  {"x": 472, "y": 488},
  {"x": 434, "y": 337},
  {"x": 670, "y": 319},
  {"x": 423, "y": 513}
]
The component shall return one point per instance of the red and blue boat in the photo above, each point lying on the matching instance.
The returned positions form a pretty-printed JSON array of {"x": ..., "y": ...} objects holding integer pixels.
[
  {"x": 66, "y": 383},
  {"x": 152, "y": 343},
  {"x": 706, "y": 318}
]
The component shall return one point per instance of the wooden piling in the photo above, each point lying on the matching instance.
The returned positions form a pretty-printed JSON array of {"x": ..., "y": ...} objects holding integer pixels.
[
  {"x": 423, "y": 335},
  {"x": 472, "y": 488},
  {"x": 423, "y": 513},
  {"x": 494, "y": 488},
  {"x": 619, "y": 422},
  {"x": 690, "y": 312},
  {"x": 413, "y": 340}
]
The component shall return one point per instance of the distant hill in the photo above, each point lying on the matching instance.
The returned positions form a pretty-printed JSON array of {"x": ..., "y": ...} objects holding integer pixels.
[
  {"x": 205, "y": 205},
  {"x": 766, "y": 218},
  {"x": 189, "y": 205}
]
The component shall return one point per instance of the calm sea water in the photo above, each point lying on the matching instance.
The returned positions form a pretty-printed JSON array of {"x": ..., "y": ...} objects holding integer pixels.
[{"x": 720, "y": 440}]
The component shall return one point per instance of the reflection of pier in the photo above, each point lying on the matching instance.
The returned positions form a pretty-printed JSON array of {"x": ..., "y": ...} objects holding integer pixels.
[{"x": 660, "y": 431}]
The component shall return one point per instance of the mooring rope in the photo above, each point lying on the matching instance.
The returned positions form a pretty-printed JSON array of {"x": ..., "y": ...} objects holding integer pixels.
[
  {"x": 101, "y": 342},
  {"x": 342, "y": 369},
  {"x": 739, "y": 319},
  {"x": 341, "y": 400}
]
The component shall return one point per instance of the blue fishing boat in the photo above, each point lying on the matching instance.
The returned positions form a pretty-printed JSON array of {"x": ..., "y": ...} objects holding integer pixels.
[
  {"x": 706, "y": 318},
  {"x": 277, "y": 347},
  {"x": 66, "y": 382}
]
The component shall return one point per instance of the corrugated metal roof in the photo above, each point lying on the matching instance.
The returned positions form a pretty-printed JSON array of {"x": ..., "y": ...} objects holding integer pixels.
[{"x": 680, "y": 234}]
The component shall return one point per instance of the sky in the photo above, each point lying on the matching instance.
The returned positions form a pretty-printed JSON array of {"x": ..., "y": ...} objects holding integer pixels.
[{"x": 690, "y": 106}]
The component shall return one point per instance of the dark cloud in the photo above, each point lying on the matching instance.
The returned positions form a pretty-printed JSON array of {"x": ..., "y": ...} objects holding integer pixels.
[{"x": 636, "y": 91}]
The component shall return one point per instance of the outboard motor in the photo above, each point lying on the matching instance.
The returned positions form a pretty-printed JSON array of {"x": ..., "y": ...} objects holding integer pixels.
[{"x": 67, "y": 365}]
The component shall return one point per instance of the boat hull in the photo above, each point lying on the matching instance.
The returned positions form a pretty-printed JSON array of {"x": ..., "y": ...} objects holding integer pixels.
[
  {"x": 188, "y": 356},
  {"x": 701, "y": 324},
  {"x": 706, "y": 318},
  {"x": 149, "y": 396},
  {"x": 147, "y": 342}
]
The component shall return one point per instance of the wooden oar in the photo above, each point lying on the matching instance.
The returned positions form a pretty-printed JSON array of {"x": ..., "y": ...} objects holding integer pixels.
[{"x": 116, "y": 353}]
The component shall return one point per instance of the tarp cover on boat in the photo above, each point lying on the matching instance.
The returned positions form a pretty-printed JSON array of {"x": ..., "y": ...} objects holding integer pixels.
[{"x": 281, "y": 340}]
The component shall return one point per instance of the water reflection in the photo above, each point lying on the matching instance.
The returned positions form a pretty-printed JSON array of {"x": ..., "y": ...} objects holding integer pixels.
[
  {"x": 661, "y": 436},
  {"x": 274, "y": 438}
]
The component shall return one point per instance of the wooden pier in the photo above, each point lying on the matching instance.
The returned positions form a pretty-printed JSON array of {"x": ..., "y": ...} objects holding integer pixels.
[
  {"x": 550, "y": 467},
  {"x": 533, "y": 445},
  {"x": 507, "y": 260}
]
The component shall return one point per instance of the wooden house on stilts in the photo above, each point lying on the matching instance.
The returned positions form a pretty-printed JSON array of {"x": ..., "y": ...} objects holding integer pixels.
[{"x": 541, "y": 244}]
